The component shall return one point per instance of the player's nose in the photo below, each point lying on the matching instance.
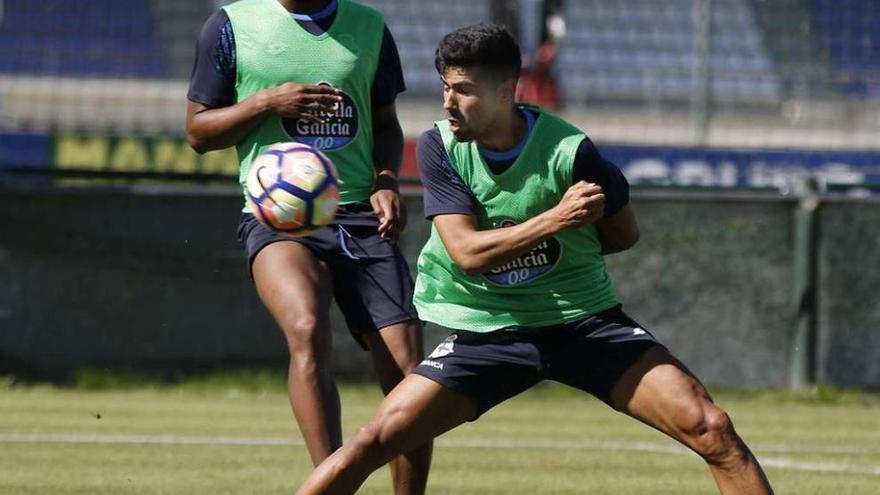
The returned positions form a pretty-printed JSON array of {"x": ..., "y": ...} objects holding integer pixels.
[{"x": 448, "y": 101}]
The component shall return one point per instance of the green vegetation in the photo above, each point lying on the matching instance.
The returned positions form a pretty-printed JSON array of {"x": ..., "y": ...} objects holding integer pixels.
[{"x": 234, "y": 434}]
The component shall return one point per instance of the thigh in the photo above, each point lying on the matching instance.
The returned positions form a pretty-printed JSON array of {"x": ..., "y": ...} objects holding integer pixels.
[
  {"x": 417, "y": 410},
  {"x": 372, "y": 282},
  {"x": 487, "y": 372},
  {"x": 295, "y": 287},
  {"x": 661, "y": 392},
  {"x": 592, "y": 354}
]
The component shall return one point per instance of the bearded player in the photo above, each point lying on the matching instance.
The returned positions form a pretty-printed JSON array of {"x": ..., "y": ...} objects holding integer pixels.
[{"x": 523, "y": 209}]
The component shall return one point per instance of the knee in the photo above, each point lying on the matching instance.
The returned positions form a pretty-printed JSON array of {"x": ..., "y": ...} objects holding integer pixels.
[
  {"x": 367, "y": 441},
  {"x": 306, "y": 341},
  {"x": 369, "y": 446},
  {"x": 710, "y": 433},
  {"x": 376, "y": 441}
]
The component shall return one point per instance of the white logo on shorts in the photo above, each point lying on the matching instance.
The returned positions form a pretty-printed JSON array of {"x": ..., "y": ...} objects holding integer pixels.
[
  {"x": 444, "y": 349},
  {"x": 638, "y": 331},
  {"x": 433, "y": 364}
]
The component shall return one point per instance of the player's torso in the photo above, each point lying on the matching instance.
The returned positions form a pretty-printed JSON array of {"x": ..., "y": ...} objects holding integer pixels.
[
  {"x": 562, "y": 278},
  {"x": 533, "y": 184},
  {"x": 273, "y": 49}
]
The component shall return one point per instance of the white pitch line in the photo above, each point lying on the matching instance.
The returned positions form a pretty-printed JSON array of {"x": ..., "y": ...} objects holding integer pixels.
[
  {"x": 142, "y": 439},
  {"x": 785, "y": 448},
  {"x": 827, "y": 467},
  {"x": 476, "y": 443}
]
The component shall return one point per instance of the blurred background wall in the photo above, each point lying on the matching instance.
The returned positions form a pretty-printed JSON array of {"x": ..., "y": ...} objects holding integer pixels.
[{"x": 749, "y": 129}]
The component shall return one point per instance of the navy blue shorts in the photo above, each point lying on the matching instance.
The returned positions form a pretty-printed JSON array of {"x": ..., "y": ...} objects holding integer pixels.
[
  {"x": 590, "y": 354},
  {"x": 371, "y": 281}
]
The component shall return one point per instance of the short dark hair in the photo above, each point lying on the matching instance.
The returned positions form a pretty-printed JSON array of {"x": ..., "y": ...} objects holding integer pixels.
[{"x": 486, "y": 46}]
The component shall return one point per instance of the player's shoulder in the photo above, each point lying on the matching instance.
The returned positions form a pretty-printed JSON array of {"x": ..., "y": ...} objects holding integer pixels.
[
  {"x": 431, "y": 144},
  {"x": 555, "y": 131},
  {"x": 554, "y": 121},
  {"x": 587, "y": 147},
  {"x": 430, "y": 138},
  {"x": 243, "y": 5},
  {"x": 215, "y": 23},
  {"x": 364, "y": 11}
]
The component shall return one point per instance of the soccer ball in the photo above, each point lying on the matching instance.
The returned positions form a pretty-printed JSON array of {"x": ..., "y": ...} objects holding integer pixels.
[{"x": 292, "y": 189}]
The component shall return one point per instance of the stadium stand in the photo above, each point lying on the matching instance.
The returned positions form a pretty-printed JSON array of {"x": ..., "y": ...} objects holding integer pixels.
[
  {"x": 107, "y": 38},
  {"x": 645, "y": 50},
  {"x": 177, "y": 25},
  {"x": 850, "y": 32},
  {"x": 800, "y": 66},
  {"x": 418, "y": 27},
  {"x": 797, "y": 51}
]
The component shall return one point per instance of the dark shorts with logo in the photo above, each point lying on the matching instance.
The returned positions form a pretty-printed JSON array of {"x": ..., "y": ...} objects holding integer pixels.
[
  {"x": 371, "y": 281},
  {"x": 590, "y": 354}
]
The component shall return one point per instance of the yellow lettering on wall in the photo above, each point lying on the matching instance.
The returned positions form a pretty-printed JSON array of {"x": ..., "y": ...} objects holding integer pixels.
[
  {"x": 130, "y": 155},
  {"x": 138, "y": 154},
  {"x": 81, "y": 153},
  {"x": 175, "y": 156},
  {"x": 220, "y": 162}
]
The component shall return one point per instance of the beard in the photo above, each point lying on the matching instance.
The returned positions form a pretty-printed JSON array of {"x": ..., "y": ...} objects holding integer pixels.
[
  {"x": 463, "y": 136},
  {"x": 462, "y": 133}
]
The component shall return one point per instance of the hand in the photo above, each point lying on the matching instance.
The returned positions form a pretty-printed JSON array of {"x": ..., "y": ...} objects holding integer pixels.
[
  {"x": 304, "y": 101},
  {"x": 581, "y": 204},
  {"x": 388, "y": 207}
]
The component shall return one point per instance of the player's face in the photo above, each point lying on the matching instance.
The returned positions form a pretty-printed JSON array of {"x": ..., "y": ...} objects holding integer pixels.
[{"x": 473, "y": 101}]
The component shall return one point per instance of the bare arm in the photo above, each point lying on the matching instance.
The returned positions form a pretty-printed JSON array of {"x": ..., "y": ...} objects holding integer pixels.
[
  {"x": 387, "y": 156},
  {"x": 210, "y": 129},
  {"x": 618, "y": 232},
  {"x": 388, "y": 141},
  {"x": 476, "y": 251}
]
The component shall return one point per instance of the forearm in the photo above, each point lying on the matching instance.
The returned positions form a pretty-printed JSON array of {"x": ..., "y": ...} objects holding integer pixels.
[
  {"x": 388, "y": 148},
  {"x": 476, "y": 251},
  {"x": 483, "y": 250},
  {"x": 387, "y": 155},
  {"x": 210, "y": 129}
]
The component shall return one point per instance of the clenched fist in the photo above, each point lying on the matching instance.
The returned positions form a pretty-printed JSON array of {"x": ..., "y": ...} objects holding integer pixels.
[{"x": 581, "y": 204}]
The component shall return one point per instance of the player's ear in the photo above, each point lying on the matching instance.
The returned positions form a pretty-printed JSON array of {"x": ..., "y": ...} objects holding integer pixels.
[{"x": 508, "y": 90}]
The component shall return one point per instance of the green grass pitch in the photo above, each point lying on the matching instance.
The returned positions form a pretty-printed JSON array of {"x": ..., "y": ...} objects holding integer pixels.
[{"x": 225, "y": 439}]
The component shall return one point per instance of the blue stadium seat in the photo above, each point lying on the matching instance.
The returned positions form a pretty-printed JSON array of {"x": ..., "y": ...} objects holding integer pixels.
[
  {"x": 102, "y": 38},
  {"x": 638, "y": 49},
  {"x": 851, "y": 32},
  {"x": 418, "y": 27}
]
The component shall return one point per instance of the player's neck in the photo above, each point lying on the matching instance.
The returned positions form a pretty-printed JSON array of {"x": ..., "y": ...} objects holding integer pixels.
[
  {"x": 304, "y": 6},
  {"x": 507, "y": 132}
]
